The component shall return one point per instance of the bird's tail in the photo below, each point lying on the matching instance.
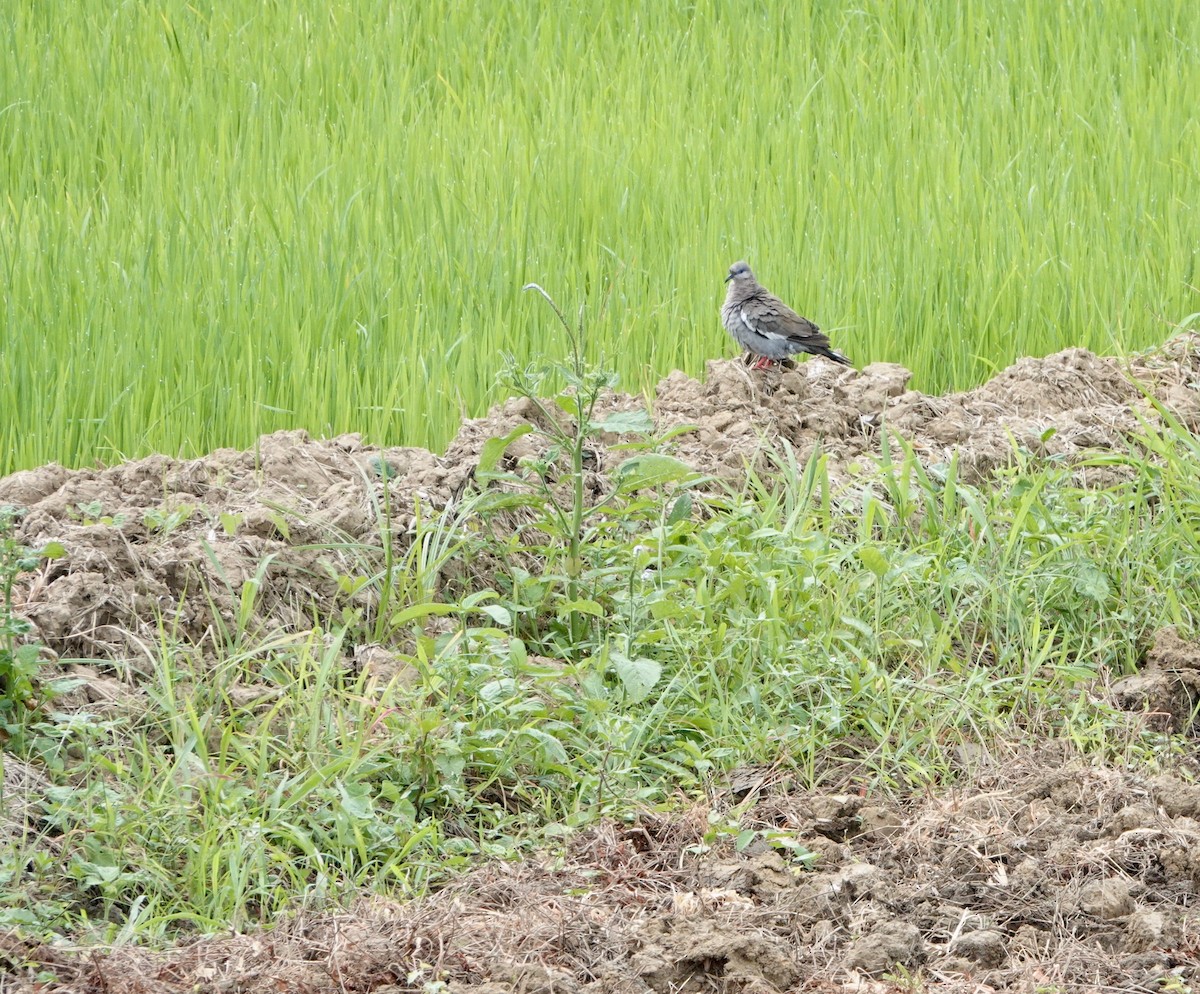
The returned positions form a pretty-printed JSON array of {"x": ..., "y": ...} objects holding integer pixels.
[{"x": 830, "y": 354}]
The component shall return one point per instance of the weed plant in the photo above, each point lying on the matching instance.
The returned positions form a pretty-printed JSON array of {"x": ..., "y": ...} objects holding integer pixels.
[
  {"x": 564, "y": 514},
  {"x": 25, "y": 690}
]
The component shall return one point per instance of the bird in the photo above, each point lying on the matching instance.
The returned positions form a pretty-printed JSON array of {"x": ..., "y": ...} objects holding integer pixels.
[{"x": 764, "y": 324}]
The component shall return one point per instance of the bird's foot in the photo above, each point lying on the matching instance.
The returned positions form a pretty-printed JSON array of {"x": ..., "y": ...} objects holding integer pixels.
[{"x": 763, "y": 363}]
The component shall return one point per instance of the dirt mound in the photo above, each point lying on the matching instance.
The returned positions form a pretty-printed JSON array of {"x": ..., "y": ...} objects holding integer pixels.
[
  {"x": 1167, "y": 687},
  {"x": 1065, "y": 405},
  {"x": 206, "y": 548},
  {"x": 1078, "y": 879},
  {"x": 179, "y": 541}
]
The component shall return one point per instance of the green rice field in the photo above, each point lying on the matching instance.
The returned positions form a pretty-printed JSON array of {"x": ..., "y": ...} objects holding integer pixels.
[{"x": 222, "y": 219}]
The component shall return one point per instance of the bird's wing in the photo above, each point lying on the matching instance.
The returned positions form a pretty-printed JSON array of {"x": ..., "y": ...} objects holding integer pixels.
[{"x": 773, "y": 320}]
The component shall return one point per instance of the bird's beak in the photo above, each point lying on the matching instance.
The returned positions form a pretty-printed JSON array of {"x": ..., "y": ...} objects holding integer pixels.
[{"x": 729, "y": 277}]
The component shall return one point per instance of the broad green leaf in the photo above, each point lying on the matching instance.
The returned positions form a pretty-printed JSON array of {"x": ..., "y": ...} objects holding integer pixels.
[
  {"x": 450, "y": 761},
  {"x": 874, "y": 560},
  {"x": 494, "y": 448},
  {"x": 582, "y": 606},
  {"x": 473, "y": 600},
  {"x": 569, "y": 403},
  {"x": 498, "y": 500},
  {"x": 497, "y": 690},
  {"x": 637, "y": 676},
  {"x": 53, "y": 550},
  {"x": 681, "y": 510},
  {"x": 500, "y": 615},
  {"x": 27, "y": 655},
  {"x": 356, "y": 801},
  {"x": 1092, "y": 583},
  {"x": 622, "y": 422},
  {"x": 759, "y": 534},
  {"x": 660, "y": 610},
  {"x": 651, "y": 469},
  {"x": 102, "y": 870},
  {"x": 591, "y": 682},
  {"x": 383, "y": 469},
  {"x": 552, "y": 747},
  {"x": 64, "y": 686}
]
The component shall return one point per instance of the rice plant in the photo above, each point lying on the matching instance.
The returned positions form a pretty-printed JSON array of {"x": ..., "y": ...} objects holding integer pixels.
[{"x": 219, "y": 220}]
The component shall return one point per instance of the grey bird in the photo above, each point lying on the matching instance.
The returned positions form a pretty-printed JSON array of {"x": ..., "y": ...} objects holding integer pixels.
[{"x": 764, "y": 324}]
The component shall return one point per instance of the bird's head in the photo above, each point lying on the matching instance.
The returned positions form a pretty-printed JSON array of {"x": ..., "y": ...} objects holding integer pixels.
[{"x": 739, "y": 271}]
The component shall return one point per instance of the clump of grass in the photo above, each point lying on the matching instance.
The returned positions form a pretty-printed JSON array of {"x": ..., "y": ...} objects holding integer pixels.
[
  {"x": 24, "y": 692},
  {"x": 242, "y": 248}
]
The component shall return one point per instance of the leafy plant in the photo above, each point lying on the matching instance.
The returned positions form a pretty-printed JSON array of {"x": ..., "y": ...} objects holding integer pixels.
[
  {"x": 92, "y": 513},
  {"x": 568, "y": 424},
  {"x": 166, "y": 520},
  {"x": 21, "y": 694}
]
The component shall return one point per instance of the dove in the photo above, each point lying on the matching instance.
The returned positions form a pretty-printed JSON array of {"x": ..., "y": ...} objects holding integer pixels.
[{"x": 764, "y": 324}]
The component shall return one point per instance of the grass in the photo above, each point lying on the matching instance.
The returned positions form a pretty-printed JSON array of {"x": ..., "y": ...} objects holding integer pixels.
[
  {"x": 220, "y": 220},
  {"x": 876, "y": 633}
]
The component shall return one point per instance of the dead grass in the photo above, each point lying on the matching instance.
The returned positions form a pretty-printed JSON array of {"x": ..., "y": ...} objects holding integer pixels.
[{"x": 1028, "y": 853}]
